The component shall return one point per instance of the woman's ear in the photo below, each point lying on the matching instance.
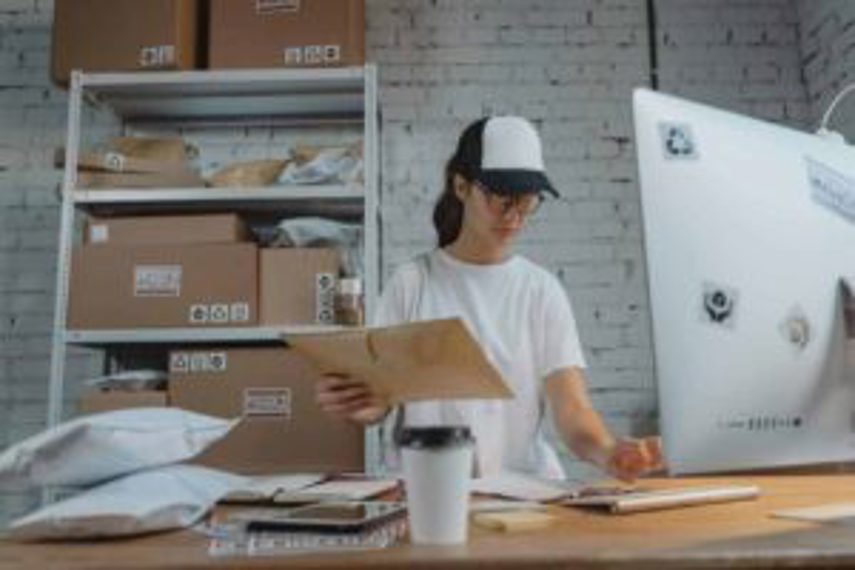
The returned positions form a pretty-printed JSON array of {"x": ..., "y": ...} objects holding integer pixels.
[{"x": 461, "y": 187}]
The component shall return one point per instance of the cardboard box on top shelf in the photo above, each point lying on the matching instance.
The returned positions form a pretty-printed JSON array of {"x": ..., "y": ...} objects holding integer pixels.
[
  {"x": 117, "y": 287},
  {"x": 286, "y": 33},
  {"x": 93, "y": 401},
  {"x": 124, "y": 35},
  {"x": 166, "y": 230},
  {"x": 272, "y": 388},
  {"x": 297, "y": 285}
]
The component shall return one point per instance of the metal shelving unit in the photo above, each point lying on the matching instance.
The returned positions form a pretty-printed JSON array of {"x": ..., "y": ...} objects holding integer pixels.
[{"x": 278, "y": 98}]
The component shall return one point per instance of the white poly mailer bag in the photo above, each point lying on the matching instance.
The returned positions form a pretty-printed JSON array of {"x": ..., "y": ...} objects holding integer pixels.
[
  {"x": 159, "y": 499},
  {"x": 93, "y": 448}
]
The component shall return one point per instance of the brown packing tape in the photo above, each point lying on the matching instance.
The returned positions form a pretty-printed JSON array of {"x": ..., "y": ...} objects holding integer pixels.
[
  {"x": 254, "y": 173},
  {"x": 414, "y": 361}
]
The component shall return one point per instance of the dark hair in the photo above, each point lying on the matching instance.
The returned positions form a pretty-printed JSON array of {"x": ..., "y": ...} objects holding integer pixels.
[
  {"x": 466, "y": 161},
  {"x": 448, "y": 211}
]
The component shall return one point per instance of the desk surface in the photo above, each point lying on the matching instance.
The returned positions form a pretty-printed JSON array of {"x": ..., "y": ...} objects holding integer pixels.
[{"x": 711, "y": 536}]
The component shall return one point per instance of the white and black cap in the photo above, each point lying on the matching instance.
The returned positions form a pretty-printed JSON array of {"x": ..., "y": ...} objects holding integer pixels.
[{"x": 504, "y": 154}]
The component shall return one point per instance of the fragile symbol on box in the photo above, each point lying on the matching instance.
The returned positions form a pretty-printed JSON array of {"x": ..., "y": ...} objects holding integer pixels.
[
  {"x": 179, "y": 362},
  {"x": 114, "y": 161},
  {"x": 239, "y": 312},
  {"x": 199, "y": 314},
  {"x": 312, "y": 54},
  {"x": 157, "y": 56},
  {"x": 267, "y": 402},
  {"x": 324, "y": 298},
  {"x": 219, "y": 313}
]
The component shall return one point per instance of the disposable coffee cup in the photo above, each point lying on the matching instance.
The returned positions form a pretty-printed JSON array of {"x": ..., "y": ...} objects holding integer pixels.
[{"x": 437, "y": 464}]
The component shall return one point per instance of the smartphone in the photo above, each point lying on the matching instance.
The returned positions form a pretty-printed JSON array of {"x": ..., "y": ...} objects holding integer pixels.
[{"x": 329, "y": 517}]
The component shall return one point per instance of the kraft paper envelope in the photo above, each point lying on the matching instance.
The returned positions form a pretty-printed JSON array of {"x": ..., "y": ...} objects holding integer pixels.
[{"x": 425, "y": 360}]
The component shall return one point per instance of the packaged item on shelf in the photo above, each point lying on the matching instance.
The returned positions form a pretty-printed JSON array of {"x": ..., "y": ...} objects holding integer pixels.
[
  {"x": 297, "y": 285},
  {"x": 349, "y": 303},
  {"x": 286, "y": 33},
  {"x": 166, "y": 230},
  {"x": 137, "y": 162},
  {"x": 118, "y": 287},
  {"x": 93, "y": 401},
  {"x": 129, "y": 381},
  {"x": 345, "y": 237},
  {"x": 123, "y": 35},
  {"x": 324, "y": 165},
  {"x": 165, "y": 179},
  {"x": 283, "y": 430},
  {"x": 248, "y": 174}
]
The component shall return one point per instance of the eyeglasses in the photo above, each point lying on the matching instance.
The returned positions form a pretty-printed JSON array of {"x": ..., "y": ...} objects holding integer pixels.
[{"x": 523, "y": 204}]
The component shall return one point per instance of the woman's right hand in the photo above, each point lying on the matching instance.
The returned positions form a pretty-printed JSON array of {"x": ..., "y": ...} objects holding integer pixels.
[{"x": 350, "y": 399}]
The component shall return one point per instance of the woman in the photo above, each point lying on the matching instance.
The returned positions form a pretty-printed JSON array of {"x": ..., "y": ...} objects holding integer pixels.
[{"x": 517, "y": 310}]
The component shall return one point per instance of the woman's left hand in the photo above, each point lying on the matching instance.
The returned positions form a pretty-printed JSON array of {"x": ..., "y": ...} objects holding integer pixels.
[{"x": 630, "y": 458}]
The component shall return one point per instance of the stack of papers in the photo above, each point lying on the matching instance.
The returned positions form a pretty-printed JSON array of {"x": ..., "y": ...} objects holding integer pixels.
[
  {"x": 340, "y": 490},
  {"x": 263, "y": 489}
]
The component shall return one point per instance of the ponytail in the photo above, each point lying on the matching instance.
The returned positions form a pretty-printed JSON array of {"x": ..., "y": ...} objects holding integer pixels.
[{"x": 448, "y": 212}]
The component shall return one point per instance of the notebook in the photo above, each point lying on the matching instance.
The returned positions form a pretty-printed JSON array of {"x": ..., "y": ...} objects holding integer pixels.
[{"x": 640, "y": 500}]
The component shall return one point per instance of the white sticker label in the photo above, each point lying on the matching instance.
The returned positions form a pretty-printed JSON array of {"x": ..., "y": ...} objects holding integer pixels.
[
  {"x": 99, "y": 233},
  {"x": 157, "y": 281},
  {"x": 200, "y": 362},
  {"x": 114, "y": 161},
  {"x": 219, "y": 361},
  {"x": 267, "y": 402},
  {"x": 219, "y": 313},
  {"x": 324, "y": 298},
  {"x": 198, "y": 314},
  {"x": 293, "y": 56},
  {"x": 239, "y": 312},
  {"x": 313, "y": 55},
  {"x": 332, "y": 53},
  {"x": 157, "y": 56},
  {"x": 273, "y": 6},
  {"x": 179, "y": 362},
  {"x": 832, "y": 189}
]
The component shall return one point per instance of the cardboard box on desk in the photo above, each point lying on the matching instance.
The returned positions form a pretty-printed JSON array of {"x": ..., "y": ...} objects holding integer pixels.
[
  {"x": 94, "y": 401},
  {"x": 123, "y": 35},
  {"x": 283, "y": 429},
  {"x": 163, "y": 286},
  {"x": 286, "y": 33},
  {"x": 166, "y": 230},
  {"x": 297, "y": 285},
  {"x": 423, "y": 360}
]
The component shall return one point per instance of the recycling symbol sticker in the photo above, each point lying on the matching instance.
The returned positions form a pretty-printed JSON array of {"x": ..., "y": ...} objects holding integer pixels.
[{"x": 678, "y": 143}]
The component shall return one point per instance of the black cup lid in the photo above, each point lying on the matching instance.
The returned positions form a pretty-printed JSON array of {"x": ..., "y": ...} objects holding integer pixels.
[{"x": 434, "y": 437}]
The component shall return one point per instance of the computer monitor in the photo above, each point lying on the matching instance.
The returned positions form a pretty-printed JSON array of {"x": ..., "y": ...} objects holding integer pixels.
[{"x": 750, "y": 237}]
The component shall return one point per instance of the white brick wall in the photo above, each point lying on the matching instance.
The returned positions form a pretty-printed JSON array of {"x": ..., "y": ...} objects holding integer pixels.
[
  {"x": 827, "y": 41},
  {"x": 569, "y": 65}
]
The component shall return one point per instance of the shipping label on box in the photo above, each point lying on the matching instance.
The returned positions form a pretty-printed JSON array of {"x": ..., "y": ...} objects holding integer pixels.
[
  {"x": 274, "y": 6},
  {"x": 267, "y": 402},
  {"x": 322, "y": 54},
  {"x": 157, "y": 281},
  {"x": 157, "y": 56}
]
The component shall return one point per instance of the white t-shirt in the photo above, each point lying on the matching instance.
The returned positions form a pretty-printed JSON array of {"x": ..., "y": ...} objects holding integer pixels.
[{"x": 522, "y": 318}]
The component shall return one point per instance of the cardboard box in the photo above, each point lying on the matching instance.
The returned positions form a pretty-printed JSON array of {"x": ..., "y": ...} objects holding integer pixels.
[
  {"x": 297, "y": 285},
  {"x": 272, "y": 388},
  {"x": 163, "y": 286},
  {"x": 123, "y": 35},
  {"x": 286, "y": 33},
  {"x": 166, "y": 230},
  {"x": 95, "y": 401}
]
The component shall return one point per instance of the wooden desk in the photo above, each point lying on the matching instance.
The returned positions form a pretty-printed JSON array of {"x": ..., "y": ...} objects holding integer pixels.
[{"x": 738, "y": 535}]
